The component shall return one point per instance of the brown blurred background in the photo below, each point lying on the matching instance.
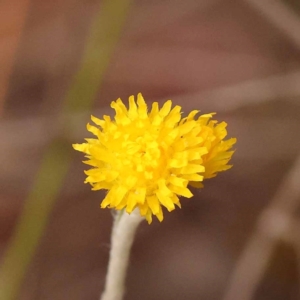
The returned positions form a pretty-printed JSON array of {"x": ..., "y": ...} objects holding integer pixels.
[{"x": 238, "y": 237}]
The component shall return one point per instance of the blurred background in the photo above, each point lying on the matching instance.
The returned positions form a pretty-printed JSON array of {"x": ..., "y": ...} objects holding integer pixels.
[{"x": 236, "y": 239}]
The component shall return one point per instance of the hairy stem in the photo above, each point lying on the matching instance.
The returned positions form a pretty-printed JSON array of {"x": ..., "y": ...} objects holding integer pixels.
[{"x": 122, "y": 237}]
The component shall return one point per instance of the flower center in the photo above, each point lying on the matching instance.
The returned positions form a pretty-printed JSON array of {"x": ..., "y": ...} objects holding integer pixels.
[{"x": 142, "y": 158}]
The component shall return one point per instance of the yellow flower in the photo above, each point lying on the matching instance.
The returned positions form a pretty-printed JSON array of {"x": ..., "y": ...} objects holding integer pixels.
[{"x": 147, "y": 160}]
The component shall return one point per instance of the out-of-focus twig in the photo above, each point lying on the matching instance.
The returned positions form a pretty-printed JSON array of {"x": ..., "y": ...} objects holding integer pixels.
[
  {"x": 250, "y": 92},
  {"x": 12, "y": 18},
  {"x": 223, "y": 99},
  {"x": 103, "y": 37},
  {"x": 273, "y": 224},
  {"x": 281, "y": 16}
]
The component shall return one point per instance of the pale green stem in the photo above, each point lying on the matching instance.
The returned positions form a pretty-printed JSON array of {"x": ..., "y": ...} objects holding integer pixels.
[
  {"x": 122, "y": 237},
  {"x": 100, "y": 44}
]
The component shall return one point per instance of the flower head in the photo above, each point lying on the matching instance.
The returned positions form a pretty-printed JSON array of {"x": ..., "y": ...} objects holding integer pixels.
[{"x": 147, "y": 160}]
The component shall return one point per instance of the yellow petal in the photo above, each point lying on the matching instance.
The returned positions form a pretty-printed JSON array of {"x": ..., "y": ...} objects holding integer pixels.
[
  {"x": 154, "y": 110},
  {"x": 165, "y": 201},
  {"x": 194, "y": 177},
  {"x": 181, "y": 182},
  {"x": 148, "y": 216},
  {"x": 143, "y": 209},
  {"x": 175, "y": 199},
  {"x": 191, "y": 168},
  {"x": 94, "y": 130},
  {"x": 186, "y": 127},
  {"x": 142, "y": 107},
  {"x": 160, "y": 215},
  {"x": 97, "y": 121},
  {"x": 81, "y": 147},
  {"x": 153, "y": 203},
  {"x": 117, "y": 195},
  {"x": 182, "y": 191},
  {"x": 132, "y": 112},
  {"x": 165, "y": 109}
]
